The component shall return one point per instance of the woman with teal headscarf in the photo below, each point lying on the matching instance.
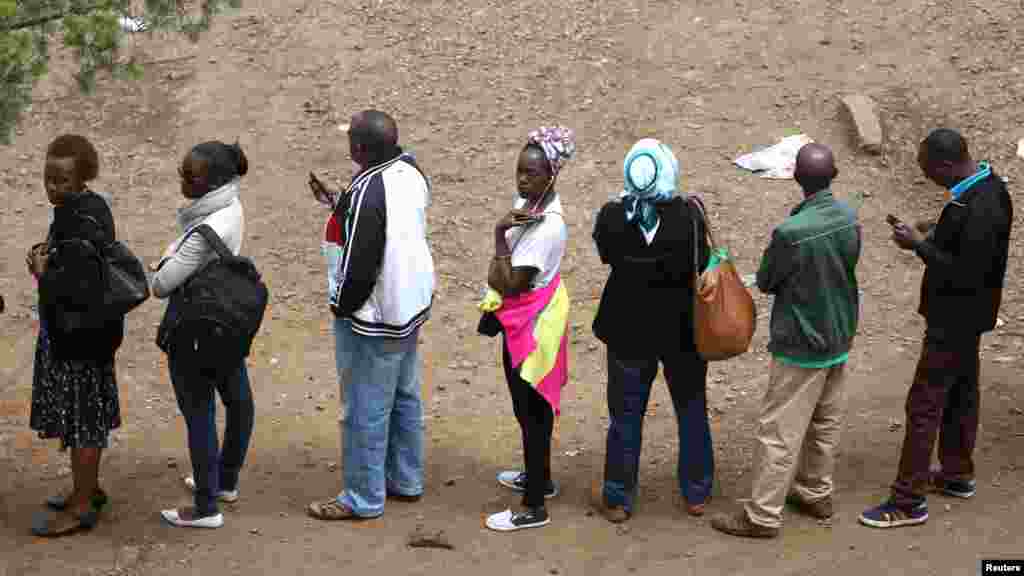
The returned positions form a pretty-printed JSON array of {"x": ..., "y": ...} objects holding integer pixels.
[{"x": 646, "y": 317}]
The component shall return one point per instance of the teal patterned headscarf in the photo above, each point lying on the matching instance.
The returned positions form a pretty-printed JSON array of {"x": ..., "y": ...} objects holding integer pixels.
[{"x": 651, "y": 174}]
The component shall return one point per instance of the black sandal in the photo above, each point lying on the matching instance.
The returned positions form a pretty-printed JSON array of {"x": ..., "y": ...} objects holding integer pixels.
[
  {"x": 59, "y": 502},
  {"x": 47, "y": 525}
]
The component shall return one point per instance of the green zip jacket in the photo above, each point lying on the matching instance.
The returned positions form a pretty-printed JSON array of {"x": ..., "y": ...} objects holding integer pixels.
[{"x": 810, "y": 268}]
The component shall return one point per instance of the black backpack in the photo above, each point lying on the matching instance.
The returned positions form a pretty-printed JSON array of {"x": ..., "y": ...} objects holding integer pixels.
[{"x": 212, "y": 319}]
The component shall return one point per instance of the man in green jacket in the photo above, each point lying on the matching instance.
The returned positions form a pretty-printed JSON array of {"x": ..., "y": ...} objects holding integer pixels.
[{"x": 810, "y": 268}]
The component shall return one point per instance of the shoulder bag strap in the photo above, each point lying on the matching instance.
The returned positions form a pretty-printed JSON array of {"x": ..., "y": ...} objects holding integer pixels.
[
  {"x": 214, "y": 240},
  {"x": 702, "y": 218}
]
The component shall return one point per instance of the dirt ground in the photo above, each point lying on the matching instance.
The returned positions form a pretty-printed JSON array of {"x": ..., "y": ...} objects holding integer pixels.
[{"x": 466, "y": 79}]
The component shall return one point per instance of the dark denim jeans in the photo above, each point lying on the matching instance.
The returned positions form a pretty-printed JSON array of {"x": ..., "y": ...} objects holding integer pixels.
[
  {"x": 629, "y": 389},
  {"x": 214, "y": 470}
]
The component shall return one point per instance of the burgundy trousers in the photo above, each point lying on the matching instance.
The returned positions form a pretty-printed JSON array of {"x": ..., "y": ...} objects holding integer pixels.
[{"x": 942, "y": 403}]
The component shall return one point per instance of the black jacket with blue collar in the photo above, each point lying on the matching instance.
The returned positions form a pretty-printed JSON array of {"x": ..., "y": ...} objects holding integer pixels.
[{"x": 965, "y": 258}]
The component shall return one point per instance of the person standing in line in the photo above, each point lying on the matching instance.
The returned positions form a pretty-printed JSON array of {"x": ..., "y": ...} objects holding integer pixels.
[
  {"x": 810, "y": 267},
  {"x": 531, "y": 304},
  {"x": 384, "y": 288},
  {"x": 647, "y": 238},
  {"x": 965, "y": 255},
  {"x": 74, "y": 387},
  {"x": 210, "y": 178}
]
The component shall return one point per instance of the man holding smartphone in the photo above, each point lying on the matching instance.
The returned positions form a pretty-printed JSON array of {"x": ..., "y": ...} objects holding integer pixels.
[{"x": 965, "y": 256}]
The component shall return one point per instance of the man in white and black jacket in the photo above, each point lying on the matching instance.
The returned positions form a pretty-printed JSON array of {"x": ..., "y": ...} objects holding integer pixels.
[{"x": 383, "y": 286}]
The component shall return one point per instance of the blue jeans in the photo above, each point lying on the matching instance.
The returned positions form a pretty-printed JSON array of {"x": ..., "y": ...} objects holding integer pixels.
[
  {"x": 382, "y": 439},
  {"x": 343, "y": 336},
  {"x": 629, "y": 389},
  {"x": 214, "y": 470}
]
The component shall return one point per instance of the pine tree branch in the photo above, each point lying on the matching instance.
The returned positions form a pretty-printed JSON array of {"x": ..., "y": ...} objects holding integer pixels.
[{"x": 39, "y": 21}]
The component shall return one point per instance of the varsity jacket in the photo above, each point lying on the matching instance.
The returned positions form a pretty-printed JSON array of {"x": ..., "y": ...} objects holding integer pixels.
[{"x": 385, "y": 273}]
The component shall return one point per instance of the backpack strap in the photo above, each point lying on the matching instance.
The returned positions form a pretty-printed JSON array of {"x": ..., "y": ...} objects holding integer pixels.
[{"x": 211, "y": 236}]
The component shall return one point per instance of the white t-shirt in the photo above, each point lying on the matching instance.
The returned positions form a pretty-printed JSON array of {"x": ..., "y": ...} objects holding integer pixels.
[{"x": 542, "y": 245}]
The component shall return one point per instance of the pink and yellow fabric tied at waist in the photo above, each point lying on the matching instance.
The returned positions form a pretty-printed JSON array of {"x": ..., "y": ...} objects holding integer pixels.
[{"x": 536, "y": 327}]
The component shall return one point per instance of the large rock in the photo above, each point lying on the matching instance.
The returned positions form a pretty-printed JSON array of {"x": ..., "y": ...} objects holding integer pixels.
[{"x": 864, "y": 115}]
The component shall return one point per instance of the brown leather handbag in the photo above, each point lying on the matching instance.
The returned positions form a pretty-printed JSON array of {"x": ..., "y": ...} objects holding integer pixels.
[{"x": 724, "y": 315}]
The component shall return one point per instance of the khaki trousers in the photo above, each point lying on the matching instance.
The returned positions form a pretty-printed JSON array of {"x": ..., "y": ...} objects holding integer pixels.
[{"x": 801, "y": 418}]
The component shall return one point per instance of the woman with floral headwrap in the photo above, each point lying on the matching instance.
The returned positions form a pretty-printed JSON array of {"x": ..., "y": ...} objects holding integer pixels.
[
  {"x": 646, "y": 316},
  {"x": 531, "y": 307}
]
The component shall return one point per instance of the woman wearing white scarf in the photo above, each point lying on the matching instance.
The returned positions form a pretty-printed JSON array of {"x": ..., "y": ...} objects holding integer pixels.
[
  {"x": 651, "y": 174},
  {"x": 645, "y": 318},
  {"x": 210, "y": 178}
]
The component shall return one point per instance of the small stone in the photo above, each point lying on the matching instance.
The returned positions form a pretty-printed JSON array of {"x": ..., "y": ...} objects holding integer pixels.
[
  {"x": 553, "y": 571},
  {"x": 172, "y": 463},
  {"x": 852, "y": 547},
  {"x": 864, "y": 116},
  {"x": 450, "y": 482},
  {"x": 948, "y": 507},
  {"x": 332, "y": 466},
  {"x": 622, "y": 529},
  {"x": 129, "y": 556},
  {"x": 913, "y": 547}
]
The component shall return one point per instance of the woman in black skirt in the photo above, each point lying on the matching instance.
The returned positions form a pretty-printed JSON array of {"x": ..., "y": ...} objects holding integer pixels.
[{"x": 74, "y": 392}]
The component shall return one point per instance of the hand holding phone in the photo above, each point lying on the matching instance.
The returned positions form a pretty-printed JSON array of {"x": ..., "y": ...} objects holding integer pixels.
[{"x": 319, "y": 190}]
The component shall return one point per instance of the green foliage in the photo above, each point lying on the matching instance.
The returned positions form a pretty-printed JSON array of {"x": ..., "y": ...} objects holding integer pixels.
[{"x": 93, "y": 30}]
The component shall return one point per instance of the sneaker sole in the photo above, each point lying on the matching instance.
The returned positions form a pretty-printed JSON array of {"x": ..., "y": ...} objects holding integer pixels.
[
  {"x": 955, "y": 494},
  {"x": 893, "y": 523},
  {"x": 515, "y": 488},
  {"x": 517, "y": 528}
]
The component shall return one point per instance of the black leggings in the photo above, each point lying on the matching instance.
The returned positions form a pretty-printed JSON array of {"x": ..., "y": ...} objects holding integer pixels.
[{"x": 536, "y": 419}]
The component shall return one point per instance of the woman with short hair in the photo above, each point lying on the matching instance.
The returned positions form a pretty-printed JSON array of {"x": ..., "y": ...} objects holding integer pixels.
[{"x": 74, "y": 390}]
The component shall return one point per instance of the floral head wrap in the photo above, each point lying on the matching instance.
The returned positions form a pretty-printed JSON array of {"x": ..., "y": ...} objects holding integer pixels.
[{"x": 558, "y": 144}]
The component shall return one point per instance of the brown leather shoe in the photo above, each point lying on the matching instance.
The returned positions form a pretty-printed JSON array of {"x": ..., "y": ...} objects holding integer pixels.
[
  {"x": 819, "y": 509},
  {"x": 738, "y": 524}
]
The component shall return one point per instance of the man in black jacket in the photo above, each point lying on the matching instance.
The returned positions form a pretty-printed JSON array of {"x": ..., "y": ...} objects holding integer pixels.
[{"x": 965, "y": 256}]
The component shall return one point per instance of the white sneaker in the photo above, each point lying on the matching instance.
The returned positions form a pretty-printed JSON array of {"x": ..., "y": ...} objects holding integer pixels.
[
  {"x": 509, "y": 521},
  {"x": 172, "y": 518},
  {"x": 229, "y": 496}
]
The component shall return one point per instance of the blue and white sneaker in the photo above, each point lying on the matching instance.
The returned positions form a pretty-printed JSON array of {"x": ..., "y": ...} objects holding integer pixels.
[
  {"x": 888, "y": 515},
  {"x": 956, "y": 488}
]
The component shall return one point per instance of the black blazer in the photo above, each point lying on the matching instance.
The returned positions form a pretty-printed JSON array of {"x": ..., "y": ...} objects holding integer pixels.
[
  {"x": 72, "y": 283},
  {"x": 965, "y": 259},
  {"x": 646, "y": 309}
]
